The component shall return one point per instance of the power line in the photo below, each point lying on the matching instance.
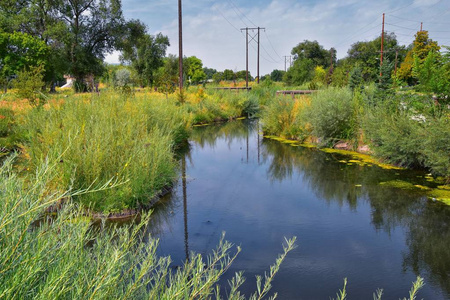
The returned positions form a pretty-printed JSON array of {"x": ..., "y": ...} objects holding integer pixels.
[
  {"x": 271, "y": 45},
  {"x": 408, "y": 28},
  {"x": 232, "y": 3}
]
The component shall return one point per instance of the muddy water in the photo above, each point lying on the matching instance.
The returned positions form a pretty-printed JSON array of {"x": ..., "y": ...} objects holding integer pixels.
[{"x": 347, "y": 225}]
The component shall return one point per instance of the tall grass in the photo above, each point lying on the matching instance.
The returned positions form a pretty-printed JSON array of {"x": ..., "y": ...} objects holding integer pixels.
[
  {"x": 98, "y": 139},
  {"x": 284, "y": 117}
]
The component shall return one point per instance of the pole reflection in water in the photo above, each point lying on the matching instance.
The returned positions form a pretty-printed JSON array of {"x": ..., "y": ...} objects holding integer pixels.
[{"x": 185, "y": 212}]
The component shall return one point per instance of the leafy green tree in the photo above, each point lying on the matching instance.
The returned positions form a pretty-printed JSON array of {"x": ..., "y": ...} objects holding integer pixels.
[
  {"x": 277, "y": 75},
  {"x": 209, "y": 72},
  {"x": 301, "y": 71},
  {"x": 229, "y": 75},
  {"x": 39, "y": 18},
  {"x": 29, "y": 85},
  {"x": 367, "y": 56},
  {"x": 422, "y": 46},
  {"x": 315, "y": 52},
  {"x": 243, "y": 75},
  {"x": 143, "y": 51},
  {"x": 167, "y": 75},
  {"x": 20, "y": 51},
  {"x": 94, "y": 28},
  {"x": 218, "y": 77},
  {"x": 194, "y": 69}
]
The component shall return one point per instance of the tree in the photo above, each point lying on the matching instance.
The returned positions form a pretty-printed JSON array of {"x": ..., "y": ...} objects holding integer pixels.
[
  {"x": 422, "y": 46},
  {"x": 277, "y": 75},
  {"x": 367, "y": 56},
  {"x": 301, "y": 71},
  {"x": 194, "y": 69},
  {"x": 39, "y": 18},
  {"x": 209, "y": 72},
  {"x": 218, "y": 77},
  {"x": 314, "y": 52},
  {"x": 229, "y": 75},
  {"x": 143, "y": 51},
  {"x": 19, "y": 52},
  {"x": 93, "y": 28},
  {"x": 166, "y": 77}
]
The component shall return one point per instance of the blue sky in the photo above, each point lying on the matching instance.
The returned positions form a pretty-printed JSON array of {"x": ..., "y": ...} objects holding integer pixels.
[{"x": 211, "y": 27}]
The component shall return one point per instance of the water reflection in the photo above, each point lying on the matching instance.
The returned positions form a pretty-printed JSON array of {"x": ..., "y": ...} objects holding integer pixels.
[
  {"x": 427, "y": 224},
  {"x": 220, "y": 188}
]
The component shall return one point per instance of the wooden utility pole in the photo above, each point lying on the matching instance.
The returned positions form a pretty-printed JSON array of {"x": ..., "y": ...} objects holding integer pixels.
[
  {"x": 180, "y": 45},
  {"x": 396, "y": 60},
  {"x": 246, "y": 57},
  {"x": 382, "y": 45},
  {"x": 331, "y": 59},
  {"x": 246, "y": 49},
  {"x": 421, "y": 26},
  {"x": 257, "y": 61}
]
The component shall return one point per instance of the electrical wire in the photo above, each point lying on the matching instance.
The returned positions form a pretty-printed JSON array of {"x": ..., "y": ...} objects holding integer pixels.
[{"x": 271, "y": 45}]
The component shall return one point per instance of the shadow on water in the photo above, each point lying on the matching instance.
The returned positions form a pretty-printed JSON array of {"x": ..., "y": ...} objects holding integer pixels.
[{"x": 229, "y": 177}]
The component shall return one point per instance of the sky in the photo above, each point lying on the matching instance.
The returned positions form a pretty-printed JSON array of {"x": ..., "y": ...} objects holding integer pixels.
[{"x": 211, "y": 28}]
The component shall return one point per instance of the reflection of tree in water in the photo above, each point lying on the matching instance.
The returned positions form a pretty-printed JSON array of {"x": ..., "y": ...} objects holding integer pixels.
[
  {"x": 427, "y": 224},
  {"x": 329, "y": 179},
  {"x": 428, "y": 240},
  {"x": 230, "y": 131}
]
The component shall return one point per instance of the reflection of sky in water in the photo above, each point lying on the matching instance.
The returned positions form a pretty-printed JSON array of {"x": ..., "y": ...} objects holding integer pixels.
[{"x": 260, "y": 191}]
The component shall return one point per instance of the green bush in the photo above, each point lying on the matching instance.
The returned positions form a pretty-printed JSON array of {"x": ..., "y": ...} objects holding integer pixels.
[
  {"x": 407, "y": 138},
  {"x": 333, "y": 114},
  {"x": 29, "y": 85},
  {"x": 436, "y": 147},
  {"x": 395, "y": 136}
]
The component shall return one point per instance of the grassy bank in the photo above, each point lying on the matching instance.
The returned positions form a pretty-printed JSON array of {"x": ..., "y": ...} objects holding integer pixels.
[
  {"x": 406, "y": 130},
  {"x": 125, "y": 139}
]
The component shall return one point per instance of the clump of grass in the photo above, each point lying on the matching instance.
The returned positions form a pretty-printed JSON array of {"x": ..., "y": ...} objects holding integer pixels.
[
  {"x": 96, "y": 139},
  {"x": 284, "y": 117}
]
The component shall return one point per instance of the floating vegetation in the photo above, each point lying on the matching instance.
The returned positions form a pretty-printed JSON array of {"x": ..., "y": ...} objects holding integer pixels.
[
  {"x": 441, "y": 193},
  {"x": 361, "y": 159}
]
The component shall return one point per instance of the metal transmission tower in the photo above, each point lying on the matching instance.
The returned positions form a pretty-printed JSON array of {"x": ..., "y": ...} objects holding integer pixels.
[
  {"x": 285, "y": 61},
  {"x": 252, "y": 38}
]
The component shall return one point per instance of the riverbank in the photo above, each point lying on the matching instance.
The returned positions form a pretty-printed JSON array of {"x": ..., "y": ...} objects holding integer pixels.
[
  {"x": 122, "y": 145},
  {"x": 404, "y": 131}
]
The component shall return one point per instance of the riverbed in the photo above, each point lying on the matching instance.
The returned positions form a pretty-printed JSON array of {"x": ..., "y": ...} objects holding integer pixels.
[{"x": 348, "y": 224}]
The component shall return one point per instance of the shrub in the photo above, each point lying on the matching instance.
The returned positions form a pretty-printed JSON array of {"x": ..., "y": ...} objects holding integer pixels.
[
  {"x": 29, "y": 84},
  {"x": 436, "y": 147},
  {"x": 333, "y": 114},
  {"x": 395, "y": 136}
]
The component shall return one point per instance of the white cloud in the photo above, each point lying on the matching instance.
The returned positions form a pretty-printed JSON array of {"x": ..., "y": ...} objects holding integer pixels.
[{"x": 210, "y": 27}]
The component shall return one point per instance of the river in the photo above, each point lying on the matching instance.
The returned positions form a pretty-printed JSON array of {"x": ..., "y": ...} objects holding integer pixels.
[{"x": 347, "y": 225}]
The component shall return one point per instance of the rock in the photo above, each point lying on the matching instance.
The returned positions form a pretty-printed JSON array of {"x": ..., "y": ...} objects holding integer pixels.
[
  {"x": 342, "y": 146},
  {"x": 364, "y": 149}
]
